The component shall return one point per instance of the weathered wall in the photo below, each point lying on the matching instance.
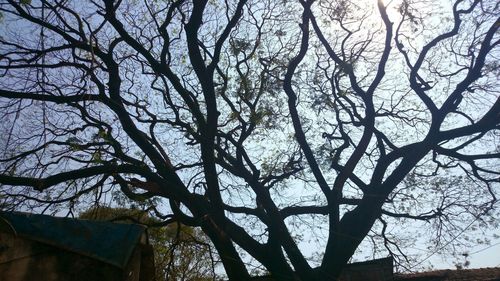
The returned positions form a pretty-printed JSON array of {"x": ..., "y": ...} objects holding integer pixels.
[{"x": 25, "y": 260}]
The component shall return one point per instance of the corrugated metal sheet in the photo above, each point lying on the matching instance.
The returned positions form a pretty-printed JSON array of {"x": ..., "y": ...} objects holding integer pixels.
[{"x": 108, "y": 242}]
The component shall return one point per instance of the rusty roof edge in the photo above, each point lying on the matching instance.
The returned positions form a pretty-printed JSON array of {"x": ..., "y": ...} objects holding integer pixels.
[{"x": 445, "y": 273}]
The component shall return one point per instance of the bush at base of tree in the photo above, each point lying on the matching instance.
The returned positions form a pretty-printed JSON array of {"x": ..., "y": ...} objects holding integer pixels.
[{"x": 180, "y": 252}]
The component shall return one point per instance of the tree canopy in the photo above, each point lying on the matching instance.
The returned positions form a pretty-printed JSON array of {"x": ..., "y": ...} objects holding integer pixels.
[{"x": 274, "y": 126}]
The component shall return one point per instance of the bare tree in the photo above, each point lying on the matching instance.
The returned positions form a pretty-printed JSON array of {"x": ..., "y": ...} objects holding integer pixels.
[{"x": 264, "y": 123}]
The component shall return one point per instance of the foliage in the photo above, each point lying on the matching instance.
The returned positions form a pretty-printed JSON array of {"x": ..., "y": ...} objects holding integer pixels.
[
  {"x": 296, "y": 134},
  {"x": 180, "y": 252}
]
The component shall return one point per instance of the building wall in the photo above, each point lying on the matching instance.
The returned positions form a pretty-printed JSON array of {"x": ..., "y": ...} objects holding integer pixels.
[
  {"x": 25, "y": 260},
  {"x": 376, "y": 270}
]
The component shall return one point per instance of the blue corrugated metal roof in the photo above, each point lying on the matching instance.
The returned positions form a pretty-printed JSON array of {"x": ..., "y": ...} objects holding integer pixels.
[{"x": 112, "y": 243}]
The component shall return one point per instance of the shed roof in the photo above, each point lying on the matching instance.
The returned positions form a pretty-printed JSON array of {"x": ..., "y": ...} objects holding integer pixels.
[
  {"x": 112, "y": 243},
  {"x": 478, "y": 274}
]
